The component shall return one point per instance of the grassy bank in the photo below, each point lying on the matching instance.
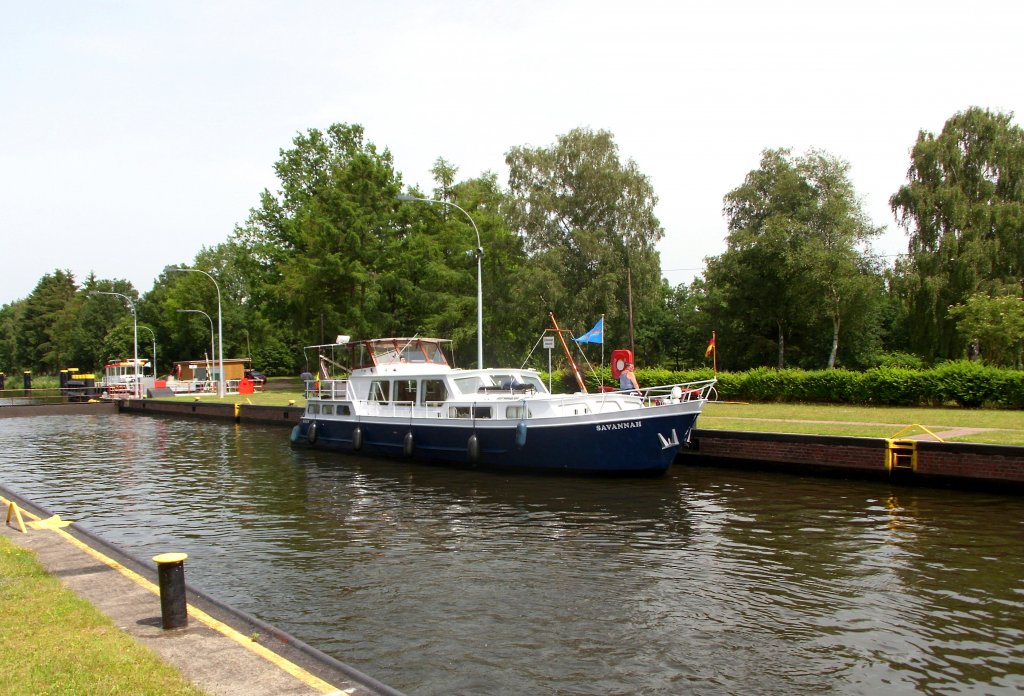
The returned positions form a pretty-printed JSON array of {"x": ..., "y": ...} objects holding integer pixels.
[
  {"x": 268, "y": 398},
  {"x": 995, "y": 427},
  {"x": 54, "y": 642}
]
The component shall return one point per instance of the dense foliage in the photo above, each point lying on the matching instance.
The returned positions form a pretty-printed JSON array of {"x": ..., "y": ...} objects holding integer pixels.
[
  {"x": 963, "y": 205},
  {"x": 796, "y": 276},
  {"x": 962, "y": 383},
  {"x": 573, "y": 232}
]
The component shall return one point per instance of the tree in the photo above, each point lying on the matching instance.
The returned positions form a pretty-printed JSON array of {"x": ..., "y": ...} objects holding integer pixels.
[
  {"x": 795, "y": 259},
  {"x": 832, "y": 254},
  {"x": 42, "y": 342},
  {"x": 10, "y": 319},
  {"x": 447, "y": 277},
  {"x": 678, "y": 331},
  {"x": 996, "y": 323},
  {"x": 106, "y": 325},
  {"x": 96, "y": 317},
  {"x": 320, "y": 247},
  {"x": 964, "y": 208},
  {"x": 588, "y": 226}
]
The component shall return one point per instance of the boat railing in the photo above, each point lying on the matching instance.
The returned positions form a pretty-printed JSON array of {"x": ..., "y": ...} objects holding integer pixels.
[
  {"x": 674, "y": 393},
  {"x": 678, "y": 393},
  {"x": 193, "y": 386},
  {"x": 326, "y": 389},
  {"x": 403, "y": 409}
]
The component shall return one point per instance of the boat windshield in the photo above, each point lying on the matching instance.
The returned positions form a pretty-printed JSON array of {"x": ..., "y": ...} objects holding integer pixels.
[{"x": 388, "y": 352}]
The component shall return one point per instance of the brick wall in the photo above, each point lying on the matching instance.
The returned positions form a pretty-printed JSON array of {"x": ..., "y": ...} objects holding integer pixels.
[{"x": 947, "y": 461}]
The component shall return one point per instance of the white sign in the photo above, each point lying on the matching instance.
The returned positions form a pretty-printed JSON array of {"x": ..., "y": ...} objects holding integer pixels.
[{"x": 549, "y": 342}]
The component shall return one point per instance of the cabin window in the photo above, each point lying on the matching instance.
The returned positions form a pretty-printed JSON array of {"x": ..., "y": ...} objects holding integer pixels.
[
  {"x": 434, "y": 390},
  {"x": 533, "y": 381},
  {"x": 327, "y": 409},
  {"x": 469, "y": 412},
  {"x": 313, "y": 409},
  {"x": 405, "y": 391},
  {"x": 468, "y": 385},
  {"x": 515, "y": 412},
  {"x": 434, "y": 353},
  {"x": 380, "y": 390},
  {"x": 344, "y": 410}
]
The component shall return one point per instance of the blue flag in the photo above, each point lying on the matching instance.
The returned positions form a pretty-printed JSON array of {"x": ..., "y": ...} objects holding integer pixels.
[{"x": 595, "y": 335}]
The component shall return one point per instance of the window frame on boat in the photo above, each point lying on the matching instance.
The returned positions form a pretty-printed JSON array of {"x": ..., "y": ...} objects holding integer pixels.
[
  {"x": 433, "y": 392},
  {"x": 470, "y": 412},
  {"x": 379, "y": 388},
  {"x": 405, "y": 390},
  {"x": 515, "y": 412}
]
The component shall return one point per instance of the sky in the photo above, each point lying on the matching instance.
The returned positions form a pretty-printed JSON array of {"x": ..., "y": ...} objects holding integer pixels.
[{"x": 133, "y": 133}]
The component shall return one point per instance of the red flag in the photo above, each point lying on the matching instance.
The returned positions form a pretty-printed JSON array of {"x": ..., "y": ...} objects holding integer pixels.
[{"x": 711, "y": 346}]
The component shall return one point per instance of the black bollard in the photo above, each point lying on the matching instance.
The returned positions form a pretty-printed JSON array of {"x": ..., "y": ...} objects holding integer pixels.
[
  {"x": 171, "y": 574},
  {"x": 27, "y": 381},
  {"x": 3, "y": 378}
]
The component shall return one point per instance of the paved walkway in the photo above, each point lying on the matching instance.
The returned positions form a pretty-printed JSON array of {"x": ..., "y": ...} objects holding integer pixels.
[{"x": 215, "y": 657}]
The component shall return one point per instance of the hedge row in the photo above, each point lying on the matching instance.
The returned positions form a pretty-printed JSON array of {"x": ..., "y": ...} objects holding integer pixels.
[{"x": 964, "y": 383}]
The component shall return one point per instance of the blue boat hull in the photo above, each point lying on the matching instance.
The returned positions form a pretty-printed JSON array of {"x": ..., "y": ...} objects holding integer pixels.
[{"x": 635, "y": 442}]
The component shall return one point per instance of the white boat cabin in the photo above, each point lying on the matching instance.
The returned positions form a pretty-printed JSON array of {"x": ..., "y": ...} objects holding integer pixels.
[{"x": 410, "y": 377}]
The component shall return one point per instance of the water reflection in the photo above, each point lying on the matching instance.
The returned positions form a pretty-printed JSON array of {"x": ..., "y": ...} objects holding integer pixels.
[{"x": 440, "y": 581}]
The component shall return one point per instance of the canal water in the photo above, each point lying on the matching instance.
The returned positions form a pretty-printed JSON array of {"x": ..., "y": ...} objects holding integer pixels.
[{"x": 441, "y": 581}]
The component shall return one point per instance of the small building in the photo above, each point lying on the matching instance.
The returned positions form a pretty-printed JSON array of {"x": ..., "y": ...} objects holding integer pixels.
[{"x": 208, "y": 370}]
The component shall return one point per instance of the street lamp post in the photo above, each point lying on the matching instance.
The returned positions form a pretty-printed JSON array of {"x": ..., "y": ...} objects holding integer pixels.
[
  {"x": 153, "y": 334},
  {"x": 199, "y": 311},
  {"x": 479, "y": 274},
  {"x": 137, "y": 389},
  {"x": 220, "y": 325}
]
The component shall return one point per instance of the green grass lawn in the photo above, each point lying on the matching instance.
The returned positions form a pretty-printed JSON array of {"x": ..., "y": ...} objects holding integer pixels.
[
  {"x": 271, "y": 398},
  {"x": 1002, "y": 427},
  {"x": 53, "y": 642}
]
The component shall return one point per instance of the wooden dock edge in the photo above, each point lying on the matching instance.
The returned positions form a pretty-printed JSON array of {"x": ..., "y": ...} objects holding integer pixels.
[
  {"x": 72, "y": 409},
  {"x": 239, "y": 413}
]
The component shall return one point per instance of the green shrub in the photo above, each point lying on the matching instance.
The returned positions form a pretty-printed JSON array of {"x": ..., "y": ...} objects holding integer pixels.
[
  {"x": 965, "y": 383},
  {"x": 891, "y": 386},
  {"x": 906, "y": 361}
]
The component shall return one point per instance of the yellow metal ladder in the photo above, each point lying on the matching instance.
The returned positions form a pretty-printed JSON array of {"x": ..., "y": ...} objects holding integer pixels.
[{"x": 901, "y": 455}]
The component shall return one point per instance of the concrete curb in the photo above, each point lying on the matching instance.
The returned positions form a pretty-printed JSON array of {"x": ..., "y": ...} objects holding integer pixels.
[{"x": 216, "y": 651}]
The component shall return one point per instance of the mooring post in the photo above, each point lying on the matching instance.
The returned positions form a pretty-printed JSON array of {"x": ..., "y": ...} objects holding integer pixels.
[{"x": 171, "y": 575}]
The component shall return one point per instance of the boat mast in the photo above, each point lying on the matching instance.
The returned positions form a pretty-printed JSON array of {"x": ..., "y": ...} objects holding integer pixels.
[{"x": 568, "y": 355}]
